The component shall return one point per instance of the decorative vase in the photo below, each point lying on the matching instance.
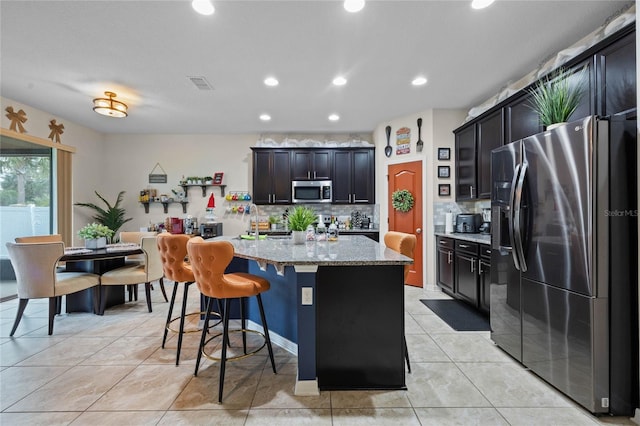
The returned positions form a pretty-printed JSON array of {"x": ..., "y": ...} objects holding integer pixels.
[
  {"x": 96, "y": 243},
  {"x": 299, "y": 237}
]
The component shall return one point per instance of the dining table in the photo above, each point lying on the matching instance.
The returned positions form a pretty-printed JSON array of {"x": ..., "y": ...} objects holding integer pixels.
[{"x": 97, "y": 261}]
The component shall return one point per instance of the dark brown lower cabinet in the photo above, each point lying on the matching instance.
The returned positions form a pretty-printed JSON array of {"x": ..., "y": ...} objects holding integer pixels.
[{"x": 445, "y": 260}]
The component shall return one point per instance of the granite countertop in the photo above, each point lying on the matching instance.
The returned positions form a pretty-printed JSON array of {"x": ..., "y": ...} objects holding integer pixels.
[
  {"x": 349, "y": 250},
  {"x": 341, "y": 231},
  {"x": 474, "y": 238}
]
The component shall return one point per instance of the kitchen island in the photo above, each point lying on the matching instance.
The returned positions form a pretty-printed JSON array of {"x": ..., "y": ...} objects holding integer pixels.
[{"x": 338, "y": 305}]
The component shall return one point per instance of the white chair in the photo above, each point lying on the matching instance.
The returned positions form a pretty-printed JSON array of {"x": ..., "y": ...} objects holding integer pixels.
[
  {"x": 146, "y": 272},
  {"x": 135, "y": 237},
  {"x": 36, "y": 277}
]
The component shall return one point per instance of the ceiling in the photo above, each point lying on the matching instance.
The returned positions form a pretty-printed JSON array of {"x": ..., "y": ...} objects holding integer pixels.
[{"x": 58, "y": 55}]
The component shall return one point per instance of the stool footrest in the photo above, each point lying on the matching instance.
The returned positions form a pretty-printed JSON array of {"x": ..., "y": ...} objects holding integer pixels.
[
  {"x": 237, "y": 357},
  {"x": 193, "y": 330}
]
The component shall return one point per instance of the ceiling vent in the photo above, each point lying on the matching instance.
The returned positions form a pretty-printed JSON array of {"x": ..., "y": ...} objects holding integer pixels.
[{"x": 200, "y": 82}]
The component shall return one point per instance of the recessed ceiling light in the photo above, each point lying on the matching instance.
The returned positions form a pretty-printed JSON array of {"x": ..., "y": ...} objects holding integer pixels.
[
  {"x": 334, "y": 117},
  {"x": 353, "y": 5},
  {"x": 419, "y": 81},
  {"x": 481, "y": 4},
  {"x": 265, "y": 117},
  {"x": 271, "y": 81},
  {"x": 203, "y": 7},
  {"x": 339, "y": 81}
]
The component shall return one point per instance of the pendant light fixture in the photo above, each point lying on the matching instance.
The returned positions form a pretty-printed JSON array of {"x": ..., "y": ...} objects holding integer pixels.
[
  {"x": 353, "y": 6},
  {"x": 109, "y": 106}
]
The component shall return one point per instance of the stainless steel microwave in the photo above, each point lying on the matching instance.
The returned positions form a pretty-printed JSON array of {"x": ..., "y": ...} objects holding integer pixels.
[{"x": 311, "y": 191}]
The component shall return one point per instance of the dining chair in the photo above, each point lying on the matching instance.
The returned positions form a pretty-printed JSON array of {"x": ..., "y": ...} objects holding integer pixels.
[
  {"x": 133, "y": 274},
  {"x": 39, "y": 239},
  {"x": 402, "y": 243},
  {"x": 36, "y": 277},
  {"x": 135, "y": 237},
  {"x": 209, "y": 260}
]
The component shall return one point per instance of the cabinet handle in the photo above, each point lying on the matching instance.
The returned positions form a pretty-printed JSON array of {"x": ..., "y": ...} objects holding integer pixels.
[
  {"x": 464, "y": 246},
  {"x": 473, "y": 265},
  {"x": 449, "y": 257},
  {"x": 314, "y": 175},
  {"x": 354, "y": 197},
  {"x": 308, "y": 174},
  {"x": 479, "y": 268},
  {"x": 349, "y": 198},
  {"x": 471, "y": 190}
]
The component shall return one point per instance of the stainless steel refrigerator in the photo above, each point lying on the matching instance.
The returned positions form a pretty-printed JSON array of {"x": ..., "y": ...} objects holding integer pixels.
[{"x": 564, "y": 284}]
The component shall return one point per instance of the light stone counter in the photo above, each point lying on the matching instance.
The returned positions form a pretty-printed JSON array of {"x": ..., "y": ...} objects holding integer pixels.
[
  {"x": 349, "y": 250},
  {"x": 474, "y": 238}
]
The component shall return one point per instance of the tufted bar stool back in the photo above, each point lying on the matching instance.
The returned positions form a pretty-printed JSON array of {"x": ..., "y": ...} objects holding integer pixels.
[
  {"x": 209, "y": 260},
  {"x": 402, "y": 243},
  {"x": 173, "y": 251}
]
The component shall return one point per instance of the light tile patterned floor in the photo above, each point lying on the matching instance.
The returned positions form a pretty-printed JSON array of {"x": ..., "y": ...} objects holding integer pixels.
[{"x": 111, "y": 370}]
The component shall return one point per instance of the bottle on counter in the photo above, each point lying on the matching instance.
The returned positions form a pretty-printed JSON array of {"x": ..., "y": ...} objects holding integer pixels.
[
  {"x": 321, "y": 232},
  {"x": 311, "y": 233},
  {"x": 332, "y": 233}
]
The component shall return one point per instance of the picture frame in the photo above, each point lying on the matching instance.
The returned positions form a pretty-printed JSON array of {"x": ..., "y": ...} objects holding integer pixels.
[
  {"x": 444, "y": 172},
  {"x": 444, "y": 154},
  {"x": 217, "y": 178},
  {"x": 444, "y": 189}
]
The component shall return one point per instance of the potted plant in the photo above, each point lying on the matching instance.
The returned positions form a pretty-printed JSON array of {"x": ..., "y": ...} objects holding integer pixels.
[
  {"x": 273, "y": 221},
  {"x": 299, "y": 219},
  {"x": 557, "y": 96},
  {"x": 95, "y": 235},
  {"x": 112, "y": 217},
  {"x": 207, "y": 180}
]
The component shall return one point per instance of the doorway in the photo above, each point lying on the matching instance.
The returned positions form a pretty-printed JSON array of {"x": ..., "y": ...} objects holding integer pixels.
[{"x": 408, "y": 176}]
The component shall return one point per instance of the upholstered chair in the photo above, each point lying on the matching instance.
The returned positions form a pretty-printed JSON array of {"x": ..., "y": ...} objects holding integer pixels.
[
  {"x": 36, "y": 277},
  {"x": 402, "y": 243},
  {"x": 209, "y": 259},
  {"x": 135, "y": 237},
  {"x": 146, "y": 272},
  {"x": 173, "y": 252},
  {"x": 39, "y": 239}
]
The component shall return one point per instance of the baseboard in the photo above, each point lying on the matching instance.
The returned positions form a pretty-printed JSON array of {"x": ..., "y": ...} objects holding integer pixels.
[{"x": 276, "y": 339}]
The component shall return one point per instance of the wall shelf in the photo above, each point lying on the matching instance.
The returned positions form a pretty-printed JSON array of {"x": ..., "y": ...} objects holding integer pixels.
[
  {"x": 204, "y": 187},
  {"x": 165, "y": 205}
]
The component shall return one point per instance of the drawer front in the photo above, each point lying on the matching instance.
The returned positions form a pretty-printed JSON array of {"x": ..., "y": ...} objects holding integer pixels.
[
  {"x": 467, "y": 247},
  {"x": 485, "y": 251},
  {"x": 445, "y": 243}
]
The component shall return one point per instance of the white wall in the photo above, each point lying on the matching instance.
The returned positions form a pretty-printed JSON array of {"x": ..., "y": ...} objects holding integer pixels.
[
  {"x": 132, "y": 158},
  {"x": 437, "y": 132}
]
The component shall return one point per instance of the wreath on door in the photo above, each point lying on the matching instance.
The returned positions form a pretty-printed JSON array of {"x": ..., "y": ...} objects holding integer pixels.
[{"x": 402, "y": 200}]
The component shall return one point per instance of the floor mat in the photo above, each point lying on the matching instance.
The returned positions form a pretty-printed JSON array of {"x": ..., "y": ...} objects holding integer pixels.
[{"x": 459, "y": 315}]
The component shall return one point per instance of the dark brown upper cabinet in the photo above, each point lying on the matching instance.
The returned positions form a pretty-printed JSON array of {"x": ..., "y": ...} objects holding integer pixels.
[{"x": 310, "y": 164}]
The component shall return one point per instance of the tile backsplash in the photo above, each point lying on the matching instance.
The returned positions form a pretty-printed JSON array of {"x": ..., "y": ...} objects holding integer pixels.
[{"x": 440, "y": 209}]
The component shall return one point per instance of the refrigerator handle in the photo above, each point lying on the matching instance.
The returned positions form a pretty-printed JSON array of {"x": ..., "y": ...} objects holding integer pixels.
[
  {"x": 512, "y": 197},
  {"x": 517, "y": 230}
]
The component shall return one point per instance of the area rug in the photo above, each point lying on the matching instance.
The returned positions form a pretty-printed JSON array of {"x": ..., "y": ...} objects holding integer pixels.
[{"x": 459, "y": 315}]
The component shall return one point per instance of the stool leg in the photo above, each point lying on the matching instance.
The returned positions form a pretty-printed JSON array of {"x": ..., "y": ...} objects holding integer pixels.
[
  {"x": 225, "y": 342},
  {"x": 406, "y": 354},
  {"x": 182, "y": 315},
  {"x": 147, "y": 293},
  {"x": 204, "y": 334},
  {"x": 266, "y": 332},
  {"x": 164, "y": 293},
  {"x": 243, "y": 324},
  {"x": 166, "y": 326}
]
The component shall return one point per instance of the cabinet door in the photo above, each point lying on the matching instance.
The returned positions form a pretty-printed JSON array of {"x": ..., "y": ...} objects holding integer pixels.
[
  {"x": 466, "y": 164},
  {"x": 586, "y": 107},
  {"x": 363, "y": 177},
  {"x": 342, "y": 176},
  {"x": 490, "y": 136},
  {"x": 301, "y": 165},
  {"x": 445, "y": 271},
  {"x": 484, "y": 276},
  {"x": 281, "y": 177},
  {"x": 321, "y": 165},
  {"x": 616, "y": 80},
  {"x": 466, "y": 281},
  {"x": 520, "y": 120},
  {"x": 262, "y": 178}
]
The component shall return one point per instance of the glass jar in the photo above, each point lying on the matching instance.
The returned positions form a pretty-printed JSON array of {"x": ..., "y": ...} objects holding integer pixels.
[
  {"x": 321, "y": 232},
  {"x": 332, "y": 234},
  {"x": 311, "y": 233}
]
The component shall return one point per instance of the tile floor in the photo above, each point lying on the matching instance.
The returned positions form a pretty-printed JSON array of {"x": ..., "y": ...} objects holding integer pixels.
[{"x": 111, "y": 370}]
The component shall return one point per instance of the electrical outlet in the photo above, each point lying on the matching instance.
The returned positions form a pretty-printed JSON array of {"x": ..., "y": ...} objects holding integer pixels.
[
  {"x": 307, "y": 295},
  {"x": 605, "y": 402}
]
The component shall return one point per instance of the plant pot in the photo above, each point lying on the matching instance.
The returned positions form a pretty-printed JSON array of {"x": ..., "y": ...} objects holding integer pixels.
[
  {"x": 299, "y": 237},
  {"x": 96, "y": 243},
  {"x": 274, "y": 226},
  {"x": 555, "y": 125}
]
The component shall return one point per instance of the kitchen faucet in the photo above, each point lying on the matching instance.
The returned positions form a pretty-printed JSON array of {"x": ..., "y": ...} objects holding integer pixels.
[{"x": 253, "y": 208}]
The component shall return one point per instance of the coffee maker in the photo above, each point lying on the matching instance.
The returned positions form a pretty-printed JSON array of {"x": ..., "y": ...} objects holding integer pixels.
[{"x": 485, "y": 228}]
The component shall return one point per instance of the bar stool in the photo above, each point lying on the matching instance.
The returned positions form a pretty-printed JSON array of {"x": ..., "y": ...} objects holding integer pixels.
[
  {"x": 209, "y": 261},
  {"x": 405, "y": 244},
  {"x": 173, "y": 251}
]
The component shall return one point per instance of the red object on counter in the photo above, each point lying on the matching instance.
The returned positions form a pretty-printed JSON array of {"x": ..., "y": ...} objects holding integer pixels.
[
  {"x": 176, "y": 226},
  {"x": 212, "y": 202}
]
